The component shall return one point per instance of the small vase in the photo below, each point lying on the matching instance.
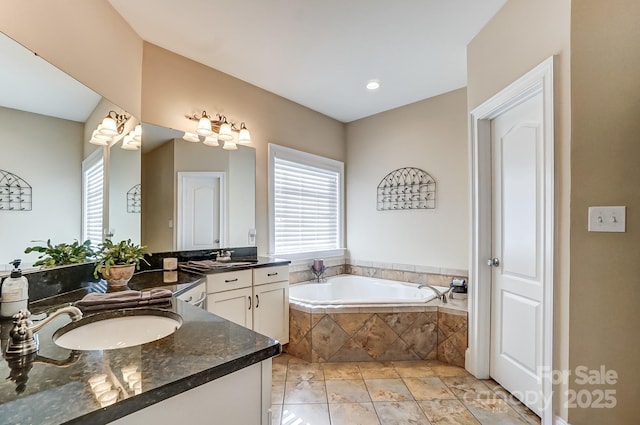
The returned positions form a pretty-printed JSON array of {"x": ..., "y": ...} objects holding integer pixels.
[{"x": 118, "y": 275}]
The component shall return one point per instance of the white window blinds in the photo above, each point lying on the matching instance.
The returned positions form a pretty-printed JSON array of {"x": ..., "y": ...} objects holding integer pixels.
[
  {"x": 92, "y": 198},
  {"x": 306, "y": 205}
]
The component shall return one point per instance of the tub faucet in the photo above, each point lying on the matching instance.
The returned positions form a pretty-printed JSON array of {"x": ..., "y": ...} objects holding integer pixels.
[
  {"x": 442, "y": 295},
  {"x": 23, "y": 339}
]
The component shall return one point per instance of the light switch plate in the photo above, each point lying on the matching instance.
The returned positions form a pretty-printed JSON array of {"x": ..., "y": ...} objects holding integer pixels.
[{"x": 607, "y": 219}]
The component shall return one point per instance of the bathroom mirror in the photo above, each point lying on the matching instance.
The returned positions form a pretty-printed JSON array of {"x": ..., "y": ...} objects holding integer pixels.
[
  {"x": 165, "y": 156},
  {"x": 46, "y": 118},
  {"x": 46, "y": 146}
]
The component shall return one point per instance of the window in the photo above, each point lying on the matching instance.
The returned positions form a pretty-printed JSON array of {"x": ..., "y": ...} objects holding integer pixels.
[
  {"x": 305, "y": 204},
  {"x": 92, "y": 197}
]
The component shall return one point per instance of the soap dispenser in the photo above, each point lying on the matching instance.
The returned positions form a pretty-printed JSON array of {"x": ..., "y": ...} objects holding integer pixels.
[{"x": 15, "y": 292}]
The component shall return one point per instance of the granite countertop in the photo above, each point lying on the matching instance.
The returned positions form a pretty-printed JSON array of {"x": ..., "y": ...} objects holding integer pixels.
[
  {"x": 52, "y": 387},
  {"x": 237, "y": 264},
  {"x": 177, "y": 281}
]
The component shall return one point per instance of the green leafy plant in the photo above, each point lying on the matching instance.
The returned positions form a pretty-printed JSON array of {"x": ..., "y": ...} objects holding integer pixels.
[
  {"x": 124, "y": 253},
  {"x": 62, "y": 254}
]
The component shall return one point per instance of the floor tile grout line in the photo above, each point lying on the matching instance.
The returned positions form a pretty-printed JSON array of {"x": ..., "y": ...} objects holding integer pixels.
[{"x": 402, "y": 378}]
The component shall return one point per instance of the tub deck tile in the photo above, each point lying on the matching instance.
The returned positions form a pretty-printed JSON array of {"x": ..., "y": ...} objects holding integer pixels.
[{"x": 351, "y": 322}]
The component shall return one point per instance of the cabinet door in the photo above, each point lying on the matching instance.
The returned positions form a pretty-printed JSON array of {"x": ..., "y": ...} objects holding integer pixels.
[
  {"x": 271, "y": 310},
  {"x": 236, "y": 306}
]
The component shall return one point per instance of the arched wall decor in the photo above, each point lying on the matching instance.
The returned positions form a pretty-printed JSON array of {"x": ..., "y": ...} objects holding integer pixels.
[
  {"x": 407, "y": 189},
  {"x": 133, "y": 199},
  {"x": 15, "y": 192}
]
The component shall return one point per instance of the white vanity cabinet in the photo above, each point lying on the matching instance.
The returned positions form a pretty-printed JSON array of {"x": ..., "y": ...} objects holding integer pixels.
[
  {"x": 257, "y": 299},
  {"x": 230, "y": 295},
  {"x": 215, "y": 402},
  {"x": 271, "y": 295}
]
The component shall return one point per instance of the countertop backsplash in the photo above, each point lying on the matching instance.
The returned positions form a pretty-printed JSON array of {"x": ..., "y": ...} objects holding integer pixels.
[{"x": 45, "y": 283}]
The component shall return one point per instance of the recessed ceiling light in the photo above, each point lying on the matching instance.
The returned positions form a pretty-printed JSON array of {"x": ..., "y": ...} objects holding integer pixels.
[{"x": 373, "y": 85}]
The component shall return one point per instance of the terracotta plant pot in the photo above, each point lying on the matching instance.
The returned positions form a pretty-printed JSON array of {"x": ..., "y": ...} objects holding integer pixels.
[{"x": 118, "y": 275}]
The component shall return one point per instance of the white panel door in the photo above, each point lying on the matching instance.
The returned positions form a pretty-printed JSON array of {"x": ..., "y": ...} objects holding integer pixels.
[
  {"x": 517, "y": 244},
  {"x": 199, "y": 218}
]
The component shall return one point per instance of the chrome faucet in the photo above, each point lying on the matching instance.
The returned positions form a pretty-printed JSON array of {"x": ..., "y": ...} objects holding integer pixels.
[
  {"x": 442, "y": 295},
  {"x": 224, "y": 256},
  {"x": 23, "y": 339}
]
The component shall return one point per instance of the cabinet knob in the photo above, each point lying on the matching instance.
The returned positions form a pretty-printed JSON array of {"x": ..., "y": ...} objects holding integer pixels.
[
  {"x": 249, "y": 303},
  {"x": 257, "y": 301}
]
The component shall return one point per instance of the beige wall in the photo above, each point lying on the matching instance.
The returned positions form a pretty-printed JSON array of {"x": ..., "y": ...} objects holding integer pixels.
[
  {"x": 174, "y": 86},
  {"x": 605, "y": 156},
  {"x": 86, "y": 39},
  {"x": 519, "y": 37},
  {"x": 47, "y": 153},
  {"x": 124, "y": 174},
  {"x": 157, "y": 198},
  {"x": 430, "y": 135},
  {"x": 160, "y": 183},
  {"x": 241, "y": 209}
]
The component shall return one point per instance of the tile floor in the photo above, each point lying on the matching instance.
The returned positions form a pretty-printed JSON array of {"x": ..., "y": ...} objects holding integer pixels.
[{"x": 389, "y": 393}]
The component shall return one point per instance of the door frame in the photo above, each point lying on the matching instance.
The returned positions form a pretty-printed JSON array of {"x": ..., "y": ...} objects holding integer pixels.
[
  {"x": 182, "y": 175},
  {"x": 538, "y": 80}
]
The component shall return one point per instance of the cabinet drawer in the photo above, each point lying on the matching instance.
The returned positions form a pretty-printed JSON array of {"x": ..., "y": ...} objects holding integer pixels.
[
  {"x": 270, "y": 274},
  {"x": 196, "y": 296},
  {"x": 228, "y": 280}
]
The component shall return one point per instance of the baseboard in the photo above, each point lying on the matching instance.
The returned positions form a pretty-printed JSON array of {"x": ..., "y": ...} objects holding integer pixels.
[{"x": 557, "y": 420}]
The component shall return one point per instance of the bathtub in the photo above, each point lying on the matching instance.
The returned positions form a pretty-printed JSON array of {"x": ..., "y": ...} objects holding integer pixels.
[
  {"x": 353, "y": 290},
  {"x": 353, "y": 318}
]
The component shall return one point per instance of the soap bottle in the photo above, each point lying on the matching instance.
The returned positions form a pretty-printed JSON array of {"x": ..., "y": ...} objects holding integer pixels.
[{"x": 15, "y": 292}]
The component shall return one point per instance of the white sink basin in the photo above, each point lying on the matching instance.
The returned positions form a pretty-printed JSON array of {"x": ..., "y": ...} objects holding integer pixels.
[{"x": 117, "y": 329}]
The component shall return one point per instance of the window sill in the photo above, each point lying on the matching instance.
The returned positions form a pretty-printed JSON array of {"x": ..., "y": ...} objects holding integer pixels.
[{"x": 311, "y": 255}]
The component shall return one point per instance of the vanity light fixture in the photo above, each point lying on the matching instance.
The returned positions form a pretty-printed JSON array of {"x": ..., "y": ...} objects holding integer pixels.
[
  {"x": 212, "y": 130},
  {"x": 111, "y": 126}
]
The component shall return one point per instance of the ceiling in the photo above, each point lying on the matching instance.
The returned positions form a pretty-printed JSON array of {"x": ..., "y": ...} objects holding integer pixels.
[{"x": 321, "y": 54}]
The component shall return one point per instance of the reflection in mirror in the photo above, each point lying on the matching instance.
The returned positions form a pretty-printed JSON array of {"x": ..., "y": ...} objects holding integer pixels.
[
  {"x": 230, "y": 211},
  {"x": 46, "y": 121}
]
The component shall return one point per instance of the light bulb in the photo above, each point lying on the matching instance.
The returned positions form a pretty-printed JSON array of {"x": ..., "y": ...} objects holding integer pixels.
[
  {"x": 204, "y": 127},
  {"x": 132, "y": 139},
  {"x": 245, "y": 136},
  {"x": 108, "y": 126},
  {"x": 191, "y": 137},
  {"x": 138, "y": 133},
  {"x": 99, "y": 139},
  {"x": 225, "y": 132},
  {"x": 127, "y": 145},
  {"x": 230, "y": 146},
  {"x": 211, "y": 140}
]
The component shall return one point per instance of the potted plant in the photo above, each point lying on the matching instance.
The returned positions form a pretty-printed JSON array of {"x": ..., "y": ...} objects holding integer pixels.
[
  {"x": 62, "y": 253},
  {"x": 117, "y": 262}
]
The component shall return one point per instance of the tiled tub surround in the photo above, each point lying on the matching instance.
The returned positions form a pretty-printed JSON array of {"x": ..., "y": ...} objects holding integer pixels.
[
  {"x": 300, "y": 271},
  {"x": 405, "y": 272},
  {"x": 379, "y": 333}
]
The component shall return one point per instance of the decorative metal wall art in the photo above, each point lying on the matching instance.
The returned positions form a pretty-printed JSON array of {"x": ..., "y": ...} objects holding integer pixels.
[
  {"x": 407, "y": 189},
  {"x": 133, "y": 199},
  {"x": 15, "y": 192}
]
